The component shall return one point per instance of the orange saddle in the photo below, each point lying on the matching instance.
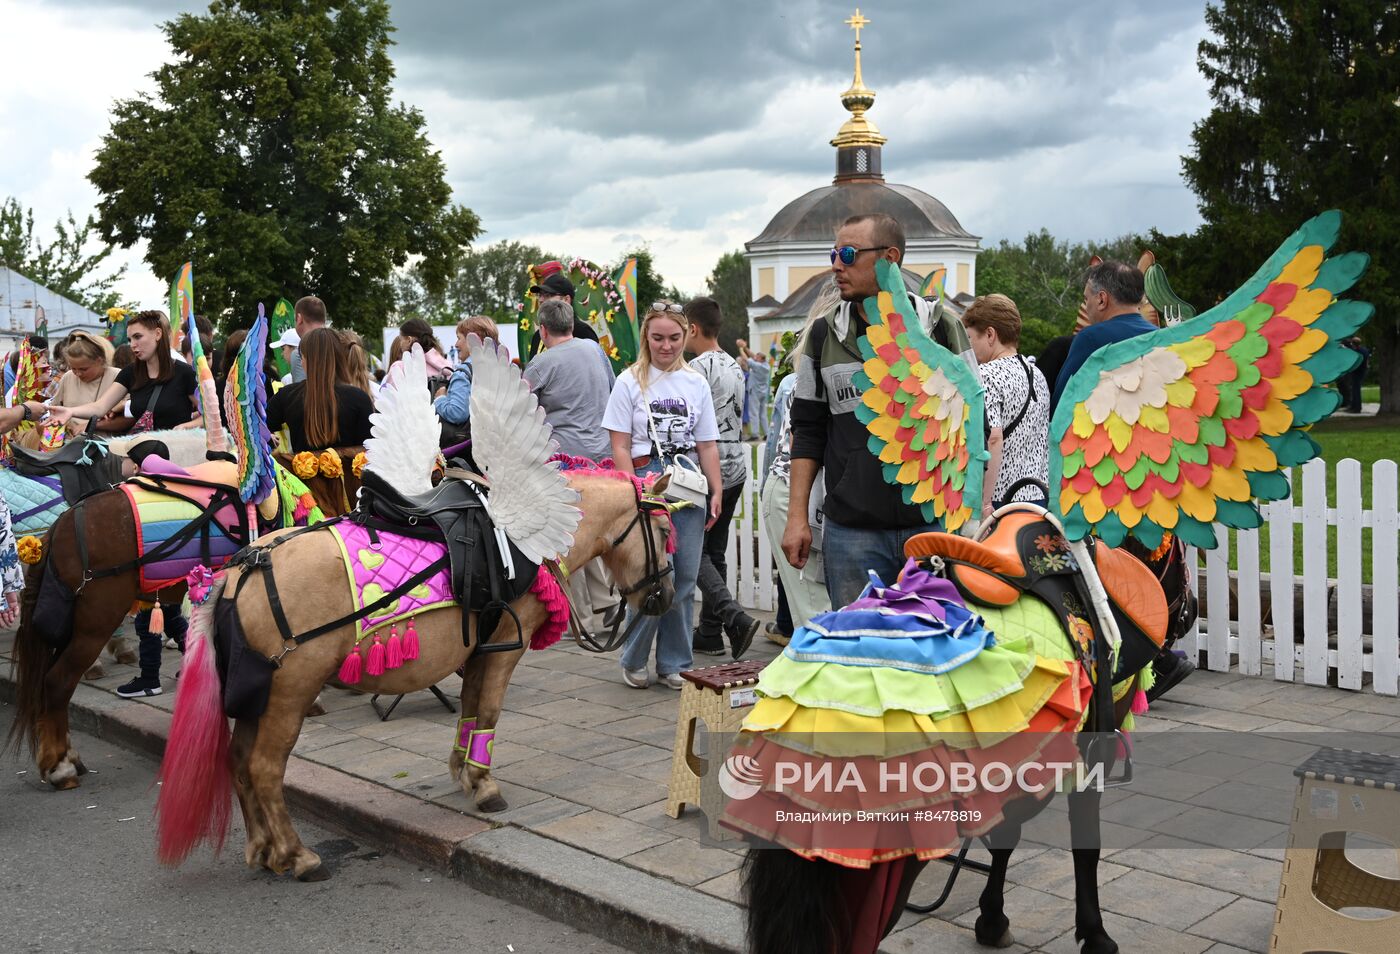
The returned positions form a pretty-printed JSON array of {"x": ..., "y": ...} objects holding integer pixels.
[{"x": 1026, "y": 554}]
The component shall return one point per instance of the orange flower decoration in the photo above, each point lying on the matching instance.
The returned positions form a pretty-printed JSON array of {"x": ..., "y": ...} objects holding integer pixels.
[
  {"x": 31, "y": 549},
  {"x": 1163, "y": 548},
  {"x": 304, "y": 465},
  {"x": 357, "y": 466},
  {"x": 330, "y": 464}
]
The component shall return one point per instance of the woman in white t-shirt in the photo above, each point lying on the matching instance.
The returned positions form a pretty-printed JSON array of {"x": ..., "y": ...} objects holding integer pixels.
[{"x": 660, "y": 394}]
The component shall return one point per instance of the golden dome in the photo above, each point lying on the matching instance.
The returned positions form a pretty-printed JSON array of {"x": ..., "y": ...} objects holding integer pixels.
[{"x": 858, "y": 130}]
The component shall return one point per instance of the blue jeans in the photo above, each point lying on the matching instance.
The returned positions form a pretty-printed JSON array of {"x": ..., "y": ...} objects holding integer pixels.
[
  {"x": 149, "y": 644},
  {"x": 671, "y": 631},
  {"x": 852, "y": 553}
]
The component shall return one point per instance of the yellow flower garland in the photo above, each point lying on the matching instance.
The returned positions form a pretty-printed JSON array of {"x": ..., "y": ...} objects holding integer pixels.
[
  {"x": 31, "y": 549},
  {"x": 357, "y": 466},
  {"x": 304, "y": 465},
  {"x": 331, "y": 465}
]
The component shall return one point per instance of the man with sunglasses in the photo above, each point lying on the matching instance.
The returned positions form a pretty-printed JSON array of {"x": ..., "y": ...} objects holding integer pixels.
[{"x": 866, "y": 519}]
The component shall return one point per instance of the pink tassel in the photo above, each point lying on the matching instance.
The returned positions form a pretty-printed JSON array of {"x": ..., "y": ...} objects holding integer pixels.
[
  {"x": 394, "y": 658},
  {"x": 157, "y": 624},
  {"x": 375, "y": 663},
  {"x": 1139, "y": 703},
  {"x": 350, "y": 669},
  {"x": 410, "y": 642},
  {"x": 546, "y": 589}
]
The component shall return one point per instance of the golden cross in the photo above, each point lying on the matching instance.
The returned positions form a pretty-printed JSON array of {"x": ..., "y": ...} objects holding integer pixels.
[{"x": 856, "y": 22}]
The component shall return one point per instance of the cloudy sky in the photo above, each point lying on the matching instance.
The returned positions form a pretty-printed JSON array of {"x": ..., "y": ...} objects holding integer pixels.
[{"x": 589, "y": 127}]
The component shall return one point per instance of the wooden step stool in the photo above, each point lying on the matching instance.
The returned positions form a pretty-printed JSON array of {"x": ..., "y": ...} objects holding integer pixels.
[
  {"x": 1339, "y": 791},
  {"x": 720, "y": 696}
]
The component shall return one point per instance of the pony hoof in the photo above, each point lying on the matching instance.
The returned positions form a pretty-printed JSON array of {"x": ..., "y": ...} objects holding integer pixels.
[
  {"x": 993, "y": 933},
  {"x": 493, "y": 804},
  {"x": 317, "y": 873},
  {"x": 95, "y": 672},
  {"x": 128, "y": 657},
  {"x": 316, "y": 709},
  {"x": 64, "y": 784},
  {"x": 1098, "y": 943},
  {"x": 78, "y": 764}
]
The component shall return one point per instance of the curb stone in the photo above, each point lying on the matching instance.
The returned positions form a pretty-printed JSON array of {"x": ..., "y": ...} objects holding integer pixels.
[{"x": 623, "y": 905}]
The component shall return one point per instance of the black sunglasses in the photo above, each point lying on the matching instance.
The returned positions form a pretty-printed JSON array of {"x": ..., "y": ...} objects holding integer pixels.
[{"x": 847, "y": 253}]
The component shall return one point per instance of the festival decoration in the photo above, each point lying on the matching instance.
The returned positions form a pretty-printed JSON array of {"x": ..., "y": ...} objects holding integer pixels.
[
  {"x": 31, "y": 549},
  {"x": 923, "y": 408},
  {"x": 245, "y": 398},
  {"x": 305, "y": 465},
  {"x": 932, "y": 286},
  {"x": 330, "y": 465},
  {"x": 207, "y": 394},
  {"x": 606, "y": 303},
  {"x": 28, "y": 386},
  {"x": 283, "y": 318},
  {"x": 404, "y": 427},
  {"x": 357, "y": 465},
  {"x": 1192, "y": 424},
  {"x": 116, "y": 326}
]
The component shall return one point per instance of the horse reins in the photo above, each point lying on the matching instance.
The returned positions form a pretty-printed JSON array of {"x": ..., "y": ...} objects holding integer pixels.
[{"x": 651, "y": 582}]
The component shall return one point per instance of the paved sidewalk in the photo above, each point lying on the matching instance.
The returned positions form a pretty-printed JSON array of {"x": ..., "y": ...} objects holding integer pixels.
[{"x": 583, "y": 761}]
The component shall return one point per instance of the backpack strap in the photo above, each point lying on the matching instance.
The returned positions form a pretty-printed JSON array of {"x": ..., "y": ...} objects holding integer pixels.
[{"x": 1009, "y": 429}]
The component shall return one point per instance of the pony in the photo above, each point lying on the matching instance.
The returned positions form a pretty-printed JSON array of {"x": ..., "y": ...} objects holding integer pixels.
[
  {"x": 100, "y": 532},
  {"x": 799, "y": 901},
  {"x": 204, "y": 764}
]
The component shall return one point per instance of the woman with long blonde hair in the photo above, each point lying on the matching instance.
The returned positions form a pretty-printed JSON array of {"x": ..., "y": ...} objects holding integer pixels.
[
  {"x": 321, "y": 412},
  {"x": 660, "y": 411},
  {"x": 90, "y": 372}
]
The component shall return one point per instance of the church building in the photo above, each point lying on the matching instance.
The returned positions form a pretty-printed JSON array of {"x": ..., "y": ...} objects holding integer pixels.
[{"x": 789, "y": 261}]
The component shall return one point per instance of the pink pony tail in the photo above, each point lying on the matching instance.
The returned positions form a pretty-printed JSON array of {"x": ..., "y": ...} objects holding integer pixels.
[
  {"x": 546, "y": 589},
  {"x": 195, "y": 800}
]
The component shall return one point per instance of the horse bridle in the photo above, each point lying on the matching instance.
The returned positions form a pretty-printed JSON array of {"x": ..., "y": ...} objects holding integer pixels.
[{"x": 647, "y": 508}]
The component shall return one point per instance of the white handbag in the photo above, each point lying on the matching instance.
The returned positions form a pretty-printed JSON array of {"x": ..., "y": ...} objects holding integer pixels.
[{"x": 686, "y": 484}]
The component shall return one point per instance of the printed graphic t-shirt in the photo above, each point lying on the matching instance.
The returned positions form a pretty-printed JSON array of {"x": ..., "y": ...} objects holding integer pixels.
[
  {"x": 726, "y": 380},
  {"x": 681, "y": 407}
]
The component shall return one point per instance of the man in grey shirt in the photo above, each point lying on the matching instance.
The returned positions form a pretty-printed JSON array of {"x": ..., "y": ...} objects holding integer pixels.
[
  {"x": 721, "y": 614},
  {"x": 572, "y": 379}
]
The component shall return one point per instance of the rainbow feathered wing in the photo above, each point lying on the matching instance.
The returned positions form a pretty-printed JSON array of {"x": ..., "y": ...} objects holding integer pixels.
[
  {"x": 1192, "y": 424},
  {"x": 923, "y": 407},
  {"x": 245, "y": 397}
]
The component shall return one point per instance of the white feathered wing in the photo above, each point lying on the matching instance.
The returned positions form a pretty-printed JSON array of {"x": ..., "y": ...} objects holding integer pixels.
[
  {"x": 529, "y": 499},
  {"x": 404, "y": 428}
]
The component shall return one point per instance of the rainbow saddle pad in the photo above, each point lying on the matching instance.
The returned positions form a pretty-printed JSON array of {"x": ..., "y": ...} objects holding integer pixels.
[{"x": 184, "y": 520}]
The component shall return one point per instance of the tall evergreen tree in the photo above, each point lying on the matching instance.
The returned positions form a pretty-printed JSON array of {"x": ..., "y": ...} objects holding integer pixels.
[
  {"x": 1306, "y": 118},
  {"x": 271, "y": 156}
]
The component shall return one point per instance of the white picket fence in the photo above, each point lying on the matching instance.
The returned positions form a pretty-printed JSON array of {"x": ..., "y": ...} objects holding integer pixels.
[
  {"x": 1343, "y": 652},
  {"x": 1360, "y": 643}
]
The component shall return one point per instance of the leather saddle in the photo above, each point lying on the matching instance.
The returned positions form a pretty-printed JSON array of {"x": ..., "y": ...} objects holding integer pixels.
[
  {"x": 83, "y": 466},
  {"x": 1026, "y": 554},
  {"x": 454, "y": 514}
]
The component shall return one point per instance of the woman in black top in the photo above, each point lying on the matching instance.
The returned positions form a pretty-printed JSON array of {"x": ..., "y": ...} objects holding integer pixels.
[
  {"x": 159, "y": 386},
  {"x": 319, "y": 412}
]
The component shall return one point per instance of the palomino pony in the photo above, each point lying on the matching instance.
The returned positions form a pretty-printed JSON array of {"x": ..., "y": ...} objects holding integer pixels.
[
  {"x": 800, "y": 902},
  {"x": 100, "y": 533},
  {"x": 201, "y": 767}
]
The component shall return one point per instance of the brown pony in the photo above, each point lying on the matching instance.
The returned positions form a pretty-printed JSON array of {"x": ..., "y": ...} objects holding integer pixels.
[
  {"x": 46, "y": 678},
  {"x": 194, "y": 799}
]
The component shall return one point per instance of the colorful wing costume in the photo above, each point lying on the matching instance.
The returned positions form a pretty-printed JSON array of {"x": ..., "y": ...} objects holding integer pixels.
[
  {"x": 182, "y": 304},
  {"x": 245, "y": 398},
  {"x": 1190, "y": 425},
  {"x": 529, "y": 498},
  {"x": 923, "y": 407}
]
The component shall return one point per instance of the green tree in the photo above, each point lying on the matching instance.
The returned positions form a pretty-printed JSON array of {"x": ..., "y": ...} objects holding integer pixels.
[
  {"x": 271, "y": 156},
  {"x": 64, "y": 265},
  {"x": 1045, "y": 277},
  {"x": 729, "y": 285},
  {"x": 1306, "y": 118},
  {"x": 488, "y": 281}
]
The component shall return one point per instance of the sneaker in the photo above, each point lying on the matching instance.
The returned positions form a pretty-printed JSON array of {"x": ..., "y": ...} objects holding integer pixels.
[
  {"x": 1169, "y": 670},
  {"x": 636, "y": 678},
  {"x": 672, "y": 679},
  {"x": 707, "y": 645},
  {"x": 776, "y": 635},
  {"x": 741, "y": 637},
  {"x": 139, "y": 688}
]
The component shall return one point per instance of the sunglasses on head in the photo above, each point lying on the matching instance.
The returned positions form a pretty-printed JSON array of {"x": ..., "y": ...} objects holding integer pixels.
[
  {"x": 847, "y": 253},
  {"x": 663, "y": 306}
]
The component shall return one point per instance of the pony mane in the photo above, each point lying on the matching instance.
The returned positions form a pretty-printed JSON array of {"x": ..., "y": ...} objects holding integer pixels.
[{"x": 606, "y": 468}]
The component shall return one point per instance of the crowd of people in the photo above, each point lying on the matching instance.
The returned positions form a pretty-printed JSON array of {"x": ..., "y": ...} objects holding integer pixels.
[{"x": 685, "y": 402}]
